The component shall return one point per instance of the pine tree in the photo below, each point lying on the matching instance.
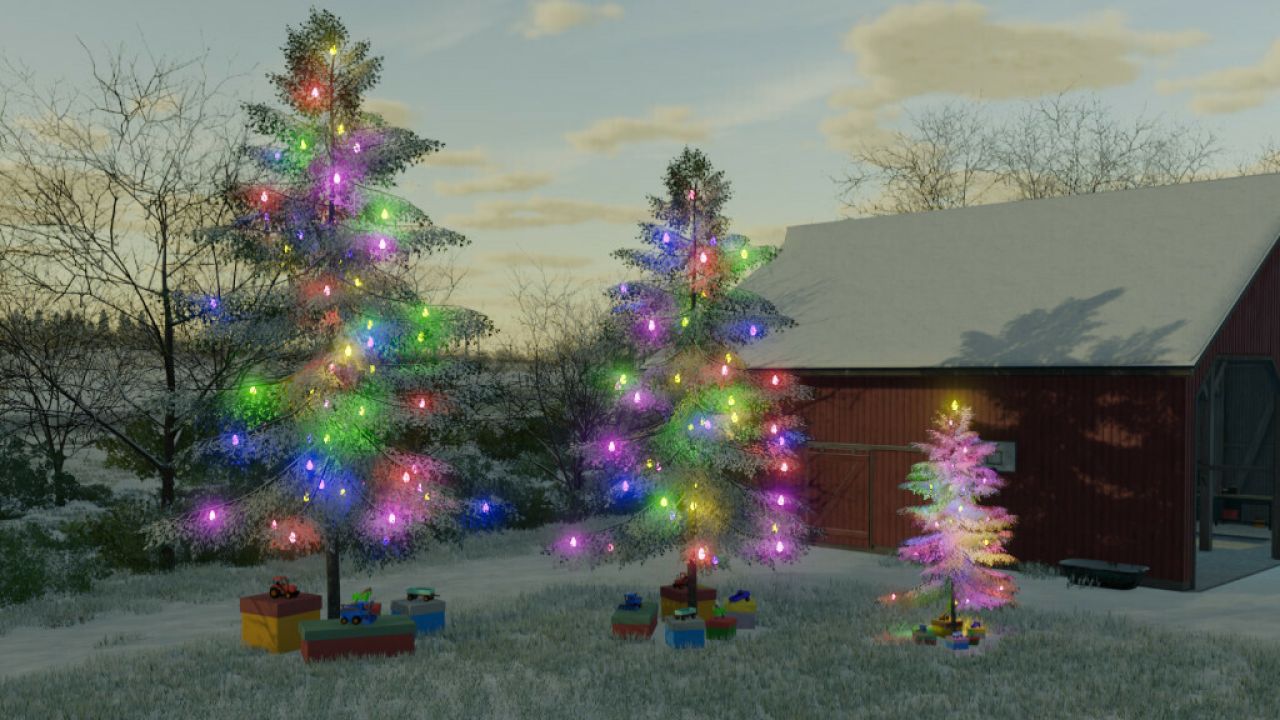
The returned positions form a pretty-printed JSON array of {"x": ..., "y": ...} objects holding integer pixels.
[
  {"x": 365, "y": 364},
  {"x": 700, "y": 451},
  {"x": 962, "y": 539}
]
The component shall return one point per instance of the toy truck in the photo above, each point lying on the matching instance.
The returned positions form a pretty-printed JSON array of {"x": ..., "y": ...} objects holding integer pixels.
[
  {"x": 281, "y": 587},
  {"x": 422, "y": 593},
  {"x": 359, "y": 611}
]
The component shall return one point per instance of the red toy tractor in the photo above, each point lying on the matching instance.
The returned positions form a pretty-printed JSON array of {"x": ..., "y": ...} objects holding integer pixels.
[{"x": 281, "y": 587}]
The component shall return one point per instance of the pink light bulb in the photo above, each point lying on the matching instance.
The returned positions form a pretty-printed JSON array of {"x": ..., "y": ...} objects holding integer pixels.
[
  {"x": 321, "y": 484},
  {"x": 484, "y": 508},
  {"x": 636, "y": 397},
  {"x": 405, "y": 477},
  {"x": 369, "y": 342},
  {"x": 263, "y": 196},
  {"x": 626, "y": 486},
  {"x": 382, "y": 243},
  {"x": 356, "y": 148},
  {"x": 779, "y": 546},
  {"x": 702, "y": 257},
  {"x": 702, "y": 553},
  {"x": 754, "y": 330},
  {"x": 315, "y": 92},
  {"x": 609, "y": 547},
  {"x": 273, "y": 524},
  {"x": 785, "y": 467},
  {"x": 422, "y": 403},
  {"x": 775, "y": 380},
  {"x": 613, "y": 447},
  {"x": 666, "y": 237},
  {"x": 337, "y": 178},
  {"x": 391, "y": 518},
  {"x": 692, "y": 194},
  {"x": 782, "y": 500},
  {"x": 212, "y": 516},
  {"x": 652, "y": 325},
  {"x": 327, "y": 291},
  {"x": 724, "y": 370},
  {"x": 235, "y": 439},
  {"x": 774, "y": 428},
  {"x": 293, "y": 537},
  {"x": 573, "y": 541}
]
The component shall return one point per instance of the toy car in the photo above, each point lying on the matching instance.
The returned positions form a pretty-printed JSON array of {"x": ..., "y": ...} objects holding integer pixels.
[
  {"x": 686, "y": 613},
  {"x": 740, "y": 596},
  {"x": 357, "y": 613},
  {"x": 631, "y": 601},
  {"x": 682, "y": 580},
  {"x": 281, "y": 587},
  {"x": 422, "y": 593}
]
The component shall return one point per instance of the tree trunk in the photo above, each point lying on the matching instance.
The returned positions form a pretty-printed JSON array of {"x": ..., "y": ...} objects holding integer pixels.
[
  {"x": 168, "y": 556},
  {"x": 693, "y": 585},
  {"x": 61, "y": 485},
  {"x": 332, "y": 580},
  {"x": 952, "y": 587}
]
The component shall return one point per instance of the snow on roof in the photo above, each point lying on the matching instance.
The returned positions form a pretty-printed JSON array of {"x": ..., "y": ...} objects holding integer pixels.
[{"x": 1120, "y": 279}]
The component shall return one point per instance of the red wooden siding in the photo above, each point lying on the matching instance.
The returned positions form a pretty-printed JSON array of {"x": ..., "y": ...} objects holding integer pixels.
[{"x": 1101, "y": 467}]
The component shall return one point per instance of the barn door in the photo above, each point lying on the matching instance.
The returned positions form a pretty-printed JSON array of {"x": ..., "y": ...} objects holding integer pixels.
[{"x": 838, "y": 483}]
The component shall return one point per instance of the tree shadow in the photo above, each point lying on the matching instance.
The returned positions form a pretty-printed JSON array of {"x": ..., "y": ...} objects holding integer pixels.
[{"x": 1100, "y": 460}]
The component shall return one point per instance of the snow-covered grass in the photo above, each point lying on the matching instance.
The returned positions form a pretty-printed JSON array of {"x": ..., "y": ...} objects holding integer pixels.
[
  {"x": 202, "y": 584},
  {"x": 824, "y": 654}
]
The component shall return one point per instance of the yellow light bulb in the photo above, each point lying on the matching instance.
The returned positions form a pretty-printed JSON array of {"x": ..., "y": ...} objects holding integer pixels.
[
  {"x": 302, "y": 144},
  {"x": 347, "y": 352},
  {"x": 684, "y": 321},
  {"x": 731, "y": 400},
  {"x": 677, "y": 378},
  {"x": 385, "y": 215},
  {"x": 253, "y": 389},
  {"x": 372, "y": 369},
  {"x": 368, "y": 325},
  {"x": 622, "y": 379},
  {"x": 422, "y": 337},
  {"x": 342, "y": 491},
  {"x": 663, "y": 501},
  {"x": 361, "y": 411},
  {"x": 287, "y": 248},
  {"x": 690, "y": 427},
  {"x": 333, "y": 49},
  {"x": 728, "y": 357},
  {"x": 775, "y": 527},
  {"x": 426, "y": 496},
  {"x": 426, "y": 312},
  {"x": 693, "y": 506},
  {"x": 734, "y": 417},
  {"x": 341, "y": 128},
  {"x": 358, "y": 283},
  {"x": 306, "y": 497},
  {"x": 744, "y": 253},
  {"x": 954, "y": 406},
  {"x": 326, "y": 438}
]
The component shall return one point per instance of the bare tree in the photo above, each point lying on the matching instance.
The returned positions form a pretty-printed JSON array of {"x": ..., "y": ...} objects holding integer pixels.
[
  {"x": 111, "y": 193},
  {"x": 943, "y": 161},
  {"x": 954, "y": 156},
  {"x": 557, "y": 379},
  {"x": 1267, "y": 161},
  {"x": 1074, "y": 146}
]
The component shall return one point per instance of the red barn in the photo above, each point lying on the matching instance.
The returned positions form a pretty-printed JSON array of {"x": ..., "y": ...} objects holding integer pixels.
[{"x": 1121, "y": 347}]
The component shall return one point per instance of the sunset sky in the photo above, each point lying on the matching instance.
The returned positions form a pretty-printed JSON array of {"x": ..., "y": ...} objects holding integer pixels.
[{"x": 560, "y": 116}]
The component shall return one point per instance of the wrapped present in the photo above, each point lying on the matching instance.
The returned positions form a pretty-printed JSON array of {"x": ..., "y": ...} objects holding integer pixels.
[
  {"x": 922, "y": 635},
  {"x": 976, "y": 633},
  {"x": 327, "y": 639},
  {"x": 956, "y": 641},
  {"x": 690, "y": 632},
  {"x": 428, "y": 615},
  {"x": 272, "y": 623},
  {"x": 721, "y": 628},
  {"x": 674, "y": 598},
  {"x": 742, "y": 607},
  {"x": 634, "y": 619}
]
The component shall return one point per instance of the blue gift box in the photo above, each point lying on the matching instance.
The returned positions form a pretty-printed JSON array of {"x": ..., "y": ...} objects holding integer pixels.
[
  {"x": 956, "y": 642},
  {"x": 690, "y": 633},
  {"x": 428, "y": 615}
]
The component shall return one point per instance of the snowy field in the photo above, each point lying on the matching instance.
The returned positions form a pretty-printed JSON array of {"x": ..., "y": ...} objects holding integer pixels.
[{"x": 527, "y": 638}]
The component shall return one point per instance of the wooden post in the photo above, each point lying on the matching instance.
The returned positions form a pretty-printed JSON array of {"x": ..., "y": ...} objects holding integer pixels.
[
  {"x": 332, "y": 579},
  {"x": 693, "y": 584}
]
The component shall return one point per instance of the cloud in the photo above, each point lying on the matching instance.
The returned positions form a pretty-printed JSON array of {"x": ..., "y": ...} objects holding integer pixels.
[
  {"x": 509, "y": 182},
  {"x": 957, "y": 49},
  {"x": 552, "y": 17},
  {"x": 664, "y": 123},
  {"x": 393, "y": 111},
  {"x": 1232, "y": 89},
  {"x": 475, "y": 157},
  {"x": 545, "y": 260},
  {"x": 542, "y": 212}
]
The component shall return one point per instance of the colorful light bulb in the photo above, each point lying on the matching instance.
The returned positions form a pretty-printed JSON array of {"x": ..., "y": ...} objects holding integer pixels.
[
  {"x": 327, "y": 291},
  {"x": 212, "y": 516},
  {"x": 775, "y": 528},
  {"x": 613, "y": 447},
  {"x": 774, "y": 428},
  {"x": 778, "y": 547},
  {"x": 405, "y": 476},
  {"x": 775, "y": 380},
  {"x": 315, "y": 92},
  {"x": 382, "y": 243},
  {"x": 356, "y": 148},
  {"x": 426, "y": 312},
  {"x": 573, "y": 541},
  {"x": 677, "y": 378},
  {"x": 484, "y": 508},
  {"x": 636, "y": 397},
  {"x": 333, "y": 49},
  {"x": 337, "y": 178},
  {"x": 782, "y": 500},
  {"x": 321, "y": 485},
  {"x": 609, "y": 547},
  {"x": 273, "y": 524},
  {"x": 263, "y": 196},
  {"x": 253, "y": 389},
  {"x": 724, "y": 370},
  {"x": 653, "y": 326},
  {"x": 744, "y": 253},
  {"x": 702, "y": 257},
  {"x": 235, "y": 439},
  {"x": 293, "y": 537},
  {"x": 369, "y": 342},
  {"x": 626, "y": 486},
  {"x": 684, "y": 321},
  {"x": 342, "y": 128},
  {"x": 302, "y": 144},
  {"x": 385, "y": 215},
  {"x": 391, "y": 518},
  {"x": 422, "y": 403},
  {"x": 311, "y": 465},
  {"x": 702, "y": 553},
  {"x": 785, "y": 467},
  {"x": 753, "y": 330}
]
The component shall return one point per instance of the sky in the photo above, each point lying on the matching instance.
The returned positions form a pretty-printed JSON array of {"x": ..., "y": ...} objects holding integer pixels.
[{"x": 560, "y": 116}]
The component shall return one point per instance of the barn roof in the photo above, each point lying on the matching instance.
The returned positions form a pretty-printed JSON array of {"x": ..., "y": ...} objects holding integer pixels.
[{"x": 1133, "y": 278}]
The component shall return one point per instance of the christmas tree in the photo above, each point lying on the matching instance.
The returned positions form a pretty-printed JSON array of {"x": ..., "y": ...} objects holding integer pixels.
[
  {"x": 962, "y": 539},
  {"x": 364, "y": 370},
  {"x": 700, "y": 451}
]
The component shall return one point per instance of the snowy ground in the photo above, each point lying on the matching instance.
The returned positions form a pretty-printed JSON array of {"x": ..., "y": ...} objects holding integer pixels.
[{"x": 1244, "y": 608}]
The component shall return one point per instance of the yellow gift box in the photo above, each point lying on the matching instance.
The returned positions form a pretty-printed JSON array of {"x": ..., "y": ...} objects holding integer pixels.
[
  {"x": 674, "y": 598},
  {"x": 272, "y": 624}
]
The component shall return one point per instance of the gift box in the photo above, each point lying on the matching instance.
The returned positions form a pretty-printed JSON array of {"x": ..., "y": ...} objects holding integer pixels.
[
  {"x": 635, "y": 622},
  {"x": 674, "y": 598},
  {"x": 744, "y": 611},
  {"x": 691, "y": 633},
  {"x": 428, "y": 615},
  {"x": 721, "y": 628},
  {"x": 976, "y": 633},
  {"x": 923, "y": 635},
  {"x": 272, "y": 624},
  {"x": 956, "y": 641},
  {"x": 327, "y": 639}
]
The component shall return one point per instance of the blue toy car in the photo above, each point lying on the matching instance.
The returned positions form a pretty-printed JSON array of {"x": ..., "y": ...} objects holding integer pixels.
[
  {"x": 740, "y": 595},
  {"x": 357, "y": 613},
  {"x": 630, "y": 601}
]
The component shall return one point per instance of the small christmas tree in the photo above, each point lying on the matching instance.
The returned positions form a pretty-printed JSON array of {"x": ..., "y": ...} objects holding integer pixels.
[
  {"x": 700, "y": 450},
  {"x": 962, "y": 539},
  {"x": 369, "y": 360}
]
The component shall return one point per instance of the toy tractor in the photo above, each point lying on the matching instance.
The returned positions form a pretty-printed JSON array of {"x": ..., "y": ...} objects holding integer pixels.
[
  {"x": 422, "y": 593},
  {"x": 281, "y": 587}
]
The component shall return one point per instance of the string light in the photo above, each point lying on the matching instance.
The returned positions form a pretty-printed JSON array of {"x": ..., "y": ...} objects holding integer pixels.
[
  {"x": 391, "y": 518},
  {"x": 663, "y": 501},
  {"x": 405, "y": 476},
  {"x": 293, "y": 537},
  {"x": 212, "y": 516},
  {"x": 384, "y": 214},
  {"x": 775, "y": 380},
  {"x": 573, "y": 541},
  {"x": 333, "y": 49},
  {"x": 263, "y": 197},
  {"x": 315, "y": 92}
]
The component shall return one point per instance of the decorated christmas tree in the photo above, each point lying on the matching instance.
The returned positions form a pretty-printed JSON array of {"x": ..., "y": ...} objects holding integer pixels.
[
  {"x": 962, "y": 539},
  {"x": 701, "y": 455},
  {"x": 367, "y": 366}
]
